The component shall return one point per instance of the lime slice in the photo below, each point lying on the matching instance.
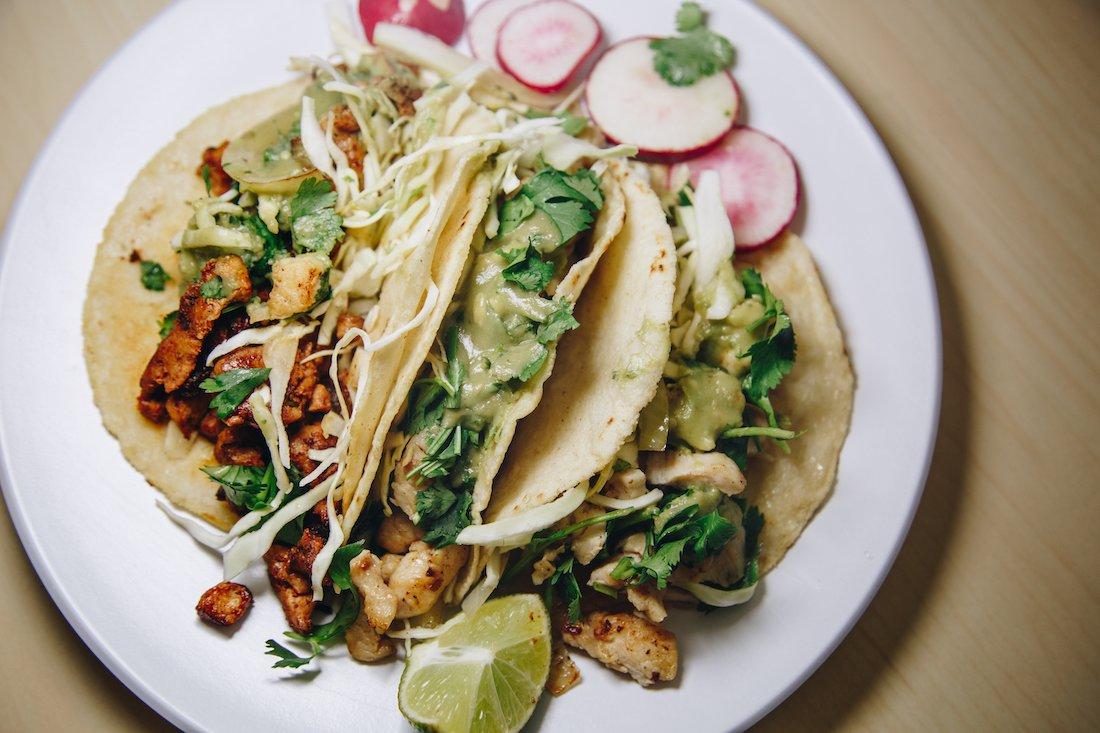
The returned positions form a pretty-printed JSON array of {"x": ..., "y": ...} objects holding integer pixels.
[{"x": 483, "y": 674}]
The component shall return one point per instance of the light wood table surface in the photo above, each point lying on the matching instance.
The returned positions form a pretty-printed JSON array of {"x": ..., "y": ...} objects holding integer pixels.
[{"x": 990, "y": 620}]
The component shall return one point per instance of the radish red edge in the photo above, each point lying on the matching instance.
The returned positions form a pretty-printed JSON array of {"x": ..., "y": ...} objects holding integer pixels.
[
  {"x": 669, "y": 156},
  {"x": 446, "y": 25},
  {"x": 483, "y": 28},
  {"x": 516, "y": 17},
  {"x": 783, "y": 222}
]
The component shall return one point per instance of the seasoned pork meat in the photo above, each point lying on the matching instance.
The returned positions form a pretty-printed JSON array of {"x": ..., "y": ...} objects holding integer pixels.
[
  {"x": 225, "y": 604},
  {"x": 292, "y": 588},
  {"x": 309, "y": 436},
  {"x": 240, "y": 446}
]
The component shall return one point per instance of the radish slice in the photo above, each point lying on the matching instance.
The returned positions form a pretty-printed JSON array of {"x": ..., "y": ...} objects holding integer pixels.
[
  {"x": 484, "y": 27},
  {"x": 760, "y": 185},
  {"x": 635, "y": 106},
  {"x": 545, "y": 44},
  {"x": 444, "y": 19}
]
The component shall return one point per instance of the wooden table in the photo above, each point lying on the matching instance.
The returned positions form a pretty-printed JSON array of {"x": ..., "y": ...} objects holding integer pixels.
[{"x": 989, "y": 619}]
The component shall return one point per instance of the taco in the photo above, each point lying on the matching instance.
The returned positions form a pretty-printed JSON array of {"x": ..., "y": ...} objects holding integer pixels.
[
  {"x": 734, "y": 451},
  {"x": 300, "y": 248}
]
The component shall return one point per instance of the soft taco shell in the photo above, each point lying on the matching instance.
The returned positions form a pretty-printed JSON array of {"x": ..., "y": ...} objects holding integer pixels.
[
  {"x": 816, "y": 396},
  {"x": 608, "y": 368},
  {"x": 120, "y": 316}
]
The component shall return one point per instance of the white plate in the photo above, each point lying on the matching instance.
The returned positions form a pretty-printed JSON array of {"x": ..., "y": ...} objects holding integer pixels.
[{"x": 127, "y": 580}]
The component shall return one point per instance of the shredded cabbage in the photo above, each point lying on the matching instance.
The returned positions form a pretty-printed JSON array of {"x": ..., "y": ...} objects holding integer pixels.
[
  {"x": 202, "y": 532},
  {"x": 476, "y": 598},
  {"x": 279, "y": 355},
  {"x": 647, "y": 499},
  {"x": 323, "y": 560},
  {"x": 713, "y": 247},
  {"x": 516, "y": 530},
  {"x": 256, "y": 336},
  {"x": 718, "y": 597}
]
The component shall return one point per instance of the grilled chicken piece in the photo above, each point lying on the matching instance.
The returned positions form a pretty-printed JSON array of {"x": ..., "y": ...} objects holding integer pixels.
[
  {"x": 422, "y": 575},
  {"x": 649, "y": 601},
  {"x": 545, "y": 566},
  {"x": 294, "y": 590},
  {"x": 365, "y": 644},
  {"x": 397, "y": 532},
  {"x": 626, "y": 484},
  {"x": 634, "y": 546},
  {"x": 626, "y": 643},
  {"x": 682, "y": 469},
  {"x": 220, "y": 181},
  {"x": 379, "y": 602},
  {"x": 564, "y": 674},
  {"x": 225, "y": 604},
  {"x": 310, "y": 436},
  {"x": 403, "y": 489},
  {"x": 239, "y": 446},
  {"x": 389, "y": 564},
  {"x": 587, "y": 543},
  {"x": 176, "y": 356}
]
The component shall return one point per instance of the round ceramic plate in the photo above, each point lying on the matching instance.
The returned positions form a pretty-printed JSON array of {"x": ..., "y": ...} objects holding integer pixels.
[{"x": 127, "y": 579}]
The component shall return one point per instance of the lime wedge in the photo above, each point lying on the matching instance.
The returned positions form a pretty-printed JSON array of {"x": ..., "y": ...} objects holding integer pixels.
[{"x": 483, "y": 674}]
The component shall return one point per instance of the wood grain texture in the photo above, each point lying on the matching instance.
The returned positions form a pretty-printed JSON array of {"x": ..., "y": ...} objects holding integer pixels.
[{"x": 988, "y": 620}]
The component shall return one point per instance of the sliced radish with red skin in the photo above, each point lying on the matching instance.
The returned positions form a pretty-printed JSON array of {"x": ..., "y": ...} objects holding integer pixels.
[
  {"x": 545, "y": 44},
  {"x": 444, "y": 19},
  {"x": 633, "y": 105},
  {"x": 484, "y": 27},
  {"x": 760, "y": 185}
]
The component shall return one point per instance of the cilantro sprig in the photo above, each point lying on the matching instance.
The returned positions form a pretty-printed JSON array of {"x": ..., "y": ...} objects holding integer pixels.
[
  {"x": 697, "y": 53},
  {"x": 246, "y": 486},
  {"x": 563, "y": 584},
  {"x": 166, "y": 323},
  {"x": 314, "y": 224},
  {"x": 526, "y": 268},
  {"x": 771, "y": 358},
  {"x": 232, "y": 388},
  {"x": 571, "y": 200},
  {"x": 153, "y": 276}
]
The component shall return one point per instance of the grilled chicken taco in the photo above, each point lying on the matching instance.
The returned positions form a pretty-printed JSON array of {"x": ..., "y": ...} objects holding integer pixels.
[
  {"x": 301, "y": 248},
  {"x": 735, "y": 449}
]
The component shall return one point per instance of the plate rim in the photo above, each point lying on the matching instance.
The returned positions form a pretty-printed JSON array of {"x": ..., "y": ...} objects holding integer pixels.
[{"x": 170, "y": 712}]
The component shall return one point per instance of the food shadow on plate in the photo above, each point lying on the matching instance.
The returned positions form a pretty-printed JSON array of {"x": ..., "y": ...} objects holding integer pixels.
[{"x": 849, "y": 676}]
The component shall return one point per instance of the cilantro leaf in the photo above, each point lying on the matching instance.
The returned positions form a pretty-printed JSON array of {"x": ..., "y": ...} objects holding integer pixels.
[
  {"x": 205, "y": 173},
  {"x": 434, "y": 502},
  {"x": 563, "y": 583},
  {"x": 287, "y": 658},
  {"x": 655, "y": 566},
  {"x": 339, "y": 570},
  {"x": 426, "y": 403},
  {"x": 528, "y": 270},
  {"x": 689, "y": 17},
  {"x": 532, "y": 367},
  {"x": 699, "y": 52},
  {"x": 515, "y": 211},
  {"x": 314, "y": 224},
  {"x": 444, "y": 447},
  {"x": 213, "y": 288},
  {"x": 557, "y": 323},
  {"x": 166, "y": 323},
  {"x": 233, "y": 388},
  {"x": 246, "y": 486},
  {"x": 771, "y": 358},
  {"x": 274, "y": 248},
  {"x": 571, "y": 200},
  {"x": 153, "y": 276},
  {"x": 710, "y": 533},
  {"x": 444, "y": 530}
]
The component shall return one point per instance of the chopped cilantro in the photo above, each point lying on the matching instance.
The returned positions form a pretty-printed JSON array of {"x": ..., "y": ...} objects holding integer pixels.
[
  {"x": 527, "y": 269},
  {"x": 164, "y": 327},
  {"x": 532, "y": 367},
  {"x": 445, "y": 446},
  {"x": 571, "y": 200},
  {"x": 699, "y": 52},
  {"x": 274, "y": 248},
  {"x": 443, "y": 530},
  {"x": 771, "y": 358},
  {"x": 515, "y": 211},
  {"x": 320, "y": 636},
  {"x": 205, "y": 173},
  {"x": 213, "y": 288},
  {"x": 434, "y": 502},
  {"x": 153, "y": 276},
  {"x": 314, "y": 224},
  {"x": 563, "y": 583},
  {"x": 233, "y": 388},
  {"x": 339, "y": 570},
  {"x": 557, "y": 323},
  {"x": 246, "y": 486}
]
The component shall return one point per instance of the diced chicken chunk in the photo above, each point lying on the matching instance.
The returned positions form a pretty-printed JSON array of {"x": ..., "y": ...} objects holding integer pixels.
[
  {"x": 397, "y": 532},
  {"x": 544, "y": 567},
  {"x": 649, "y": 601},
  {"x": 379, "y": 602},
  {"x": 634, "y": 546},
  {"x": 626, "y": 643},
  {"x": 365, "y": 644},
  {"x": 423, "y": 574},
  {"x": 296, "y": 283},
  {"x": 564, "y": 674},
  {"x": 625, "y": 484},
  {"x": 225, "y": 604},
  {"x": 682, "y": 469},
  {"x": 587, "y": 543}
]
